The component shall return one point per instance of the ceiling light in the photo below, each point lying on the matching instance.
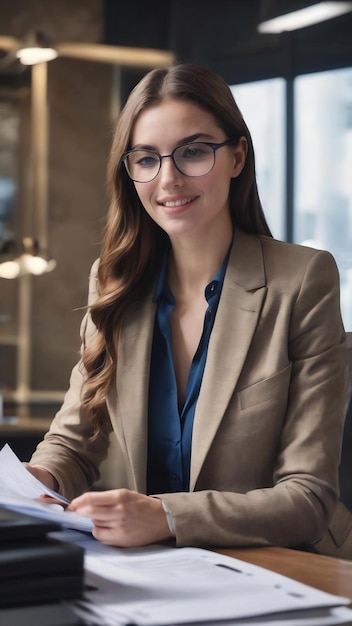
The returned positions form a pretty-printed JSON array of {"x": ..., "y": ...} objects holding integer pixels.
[
  {"x": 31, "y": 56},
  {"x": 10, "y": 269},
  {"x": 36, "y": 264},
  {"x": 301, "y": 18},
  {"x": 34, "y": 260},
  {"x": 37, "y": 49},
  {"x": 30, "y": 260}
]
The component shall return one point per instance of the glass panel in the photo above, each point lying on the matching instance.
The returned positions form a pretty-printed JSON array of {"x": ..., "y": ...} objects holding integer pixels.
[
  {"x": 323, "y": 170},
  {"x": 262, "y": 104},
  {"x": 9, "y": 120},
  {"x": 9, "y": 150}
]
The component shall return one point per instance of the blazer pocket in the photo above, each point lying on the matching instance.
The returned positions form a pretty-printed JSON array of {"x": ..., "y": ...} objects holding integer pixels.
[{"x": 266, "y": 390}]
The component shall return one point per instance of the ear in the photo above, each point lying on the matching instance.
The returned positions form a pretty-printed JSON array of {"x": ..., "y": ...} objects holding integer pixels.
[{"x": 240, "y": 155}]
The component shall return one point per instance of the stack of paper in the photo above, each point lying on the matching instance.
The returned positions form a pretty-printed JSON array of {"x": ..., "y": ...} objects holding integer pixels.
[
  {"x": 159, "y": 586},
  {"x": 20, "y": 490}
]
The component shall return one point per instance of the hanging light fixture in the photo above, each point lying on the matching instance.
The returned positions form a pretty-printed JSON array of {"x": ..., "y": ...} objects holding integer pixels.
[
  {"x": 37, "y": 48},
  {"x": 27, "y": 258},
  {"x": 276, "y": 20},
  {"x": 33, "y": 260}
]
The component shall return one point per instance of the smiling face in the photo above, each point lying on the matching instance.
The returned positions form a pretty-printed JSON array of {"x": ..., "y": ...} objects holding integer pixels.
[{"x": 186, "y": 206}]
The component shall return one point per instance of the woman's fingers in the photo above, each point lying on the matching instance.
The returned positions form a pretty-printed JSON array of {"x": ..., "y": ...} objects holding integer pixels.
[{"x": 123, "y": 517}]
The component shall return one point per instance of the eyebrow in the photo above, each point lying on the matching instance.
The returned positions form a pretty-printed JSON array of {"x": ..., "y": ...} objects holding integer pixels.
[{"x": 182, "y": 141}]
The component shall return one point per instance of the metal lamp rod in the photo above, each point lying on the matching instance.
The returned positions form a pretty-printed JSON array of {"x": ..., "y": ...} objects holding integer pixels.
[{"x": 39, "y": 153}]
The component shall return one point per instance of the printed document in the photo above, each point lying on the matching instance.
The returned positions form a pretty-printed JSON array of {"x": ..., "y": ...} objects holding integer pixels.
[
  {"x": 19, "y": 491},
  {"x": 160, "y": 585}
]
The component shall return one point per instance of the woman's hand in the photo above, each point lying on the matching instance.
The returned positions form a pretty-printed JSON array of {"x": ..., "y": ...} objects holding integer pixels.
[
  {"x": 43, "y": 475},
  {"x": 123, "y": 518}
]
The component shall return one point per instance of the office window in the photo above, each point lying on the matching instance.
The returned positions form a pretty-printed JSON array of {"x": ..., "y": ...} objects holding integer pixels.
[
  {"x": 323, "y": 170},
  {"x": 9, "y": 150},
  {"x": 9, "y": 131},
  {"x": 262, "y": 104}
]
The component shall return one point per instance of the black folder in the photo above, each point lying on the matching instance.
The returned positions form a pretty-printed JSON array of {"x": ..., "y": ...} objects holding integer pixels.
[
  {"x": 51, "y": 614},
  {"x": 16, "y": 526},
  {"x": 35, "y": 567}
]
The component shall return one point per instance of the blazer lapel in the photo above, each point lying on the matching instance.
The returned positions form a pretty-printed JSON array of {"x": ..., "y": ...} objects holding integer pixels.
[
  {"x": 132, "y": 384},
  {"x": 239, "y": 309}
]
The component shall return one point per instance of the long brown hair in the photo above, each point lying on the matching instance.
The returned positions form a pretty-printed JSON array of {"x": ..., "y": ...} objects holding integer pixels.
[{"x": 133, "y": 244}]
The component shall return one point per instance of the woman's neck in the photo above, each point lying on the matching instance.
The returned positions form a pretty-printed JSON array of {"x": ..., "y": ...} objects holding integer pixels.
[{"x": 193, "y": 263}]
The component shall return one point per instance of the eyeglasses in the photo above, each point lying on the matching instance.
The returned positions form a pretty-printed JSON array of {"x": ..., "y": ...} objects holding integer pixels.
[{"x": 190, "y": 159}]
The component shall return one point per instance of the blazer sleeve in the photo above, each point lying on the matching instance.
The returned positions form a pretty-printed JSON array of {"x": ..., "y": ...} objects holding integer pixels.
[
  {"x": 68, "y": 449},
  {"x": 297, "y": 508}
]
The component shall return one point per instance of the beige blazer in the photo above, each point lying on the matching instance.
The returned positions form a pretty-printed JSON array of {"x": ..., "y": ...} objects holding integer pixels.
[{"x": 269, "y": 418}]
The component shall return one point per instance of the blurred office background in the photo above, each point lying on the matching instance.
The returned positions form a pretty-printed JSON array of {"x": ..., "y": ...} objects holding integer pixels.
[{"x": 294, "y": 89}]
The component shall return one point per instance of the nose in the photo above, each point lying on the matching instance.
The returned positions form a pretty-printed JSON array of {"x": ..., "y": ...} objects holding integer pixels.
[{"x": 169, "y": 173}]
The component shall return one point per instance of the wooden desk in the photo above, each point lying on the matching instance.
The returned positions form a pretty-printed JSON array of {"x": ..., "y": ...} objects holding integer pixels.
[{"x": 322, "y": 572}]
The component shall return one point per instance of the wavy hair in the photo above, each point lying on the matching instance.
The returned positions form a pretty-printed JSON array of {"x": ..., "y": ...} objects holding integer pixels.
[{"x": 133, "y": 243}]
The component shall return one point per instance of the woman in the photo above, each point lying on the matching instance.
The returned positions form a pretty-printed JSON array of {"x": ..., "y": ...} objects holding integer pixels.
[{"x": 214, "y": 352}]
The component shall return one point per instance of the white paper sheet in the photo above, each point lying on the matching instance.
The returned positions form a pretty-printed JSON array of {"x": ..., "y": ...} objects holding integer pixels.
[
  {"x": 19, "y": 491},
  {"x": 159, "y": 585}
]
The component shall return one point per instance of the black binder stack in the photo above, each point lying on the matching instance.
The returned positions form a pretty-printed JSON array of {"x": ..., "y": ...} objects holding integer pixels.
[{"x": 35, "y": 568}]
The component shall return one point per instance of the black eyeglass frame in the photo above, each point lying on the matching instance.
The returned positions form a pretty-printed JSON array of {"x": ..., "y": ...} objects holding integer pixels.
[{"x": 214, "y": 146}]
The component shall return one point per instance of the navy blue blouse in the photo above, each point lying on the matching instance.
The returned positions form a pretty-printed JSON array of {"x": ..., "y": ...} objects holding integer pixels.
[{"x": 170, "y": 430}]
